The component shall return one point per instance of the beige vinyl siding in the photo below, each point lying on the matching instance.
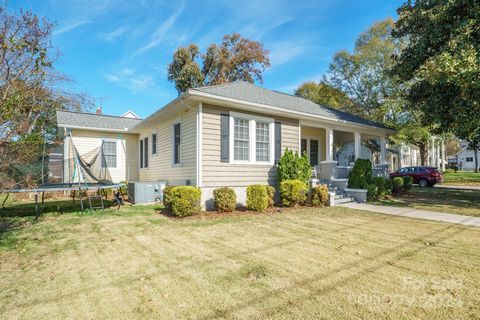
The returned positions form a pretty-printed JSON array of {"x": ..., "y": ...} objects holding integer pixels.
[
  {"x": 216, "y": 173},
  {"x": 86, "y": 141},
  {"x": 160, "y": 165}
]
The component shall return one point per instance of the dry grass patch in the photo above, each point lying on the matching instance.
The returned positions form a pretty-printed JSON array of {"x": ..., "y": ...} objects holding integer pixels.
[{"x": 312, "y": 263}]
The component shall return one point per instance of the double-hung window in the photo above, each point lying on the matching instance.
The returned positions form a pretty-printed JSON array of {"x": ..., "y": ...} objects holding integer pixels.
[
  {"x": 241, "y": 140},
  {"x": 263, "y": 141},
  {"x": 251, "y": 139},
  {"x": 109, "y": 154},
  {"x": 154, "y": 143}
]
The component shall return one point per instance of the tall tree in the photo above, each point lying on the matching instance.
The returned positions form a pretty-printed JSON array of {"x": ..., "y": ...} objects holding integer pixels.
[
  {"x": 324, "y": 94},
  {"x": 236, "y": 58},
  {"x": 443, "y": 58},
  {"x": 29, "y": 94}
]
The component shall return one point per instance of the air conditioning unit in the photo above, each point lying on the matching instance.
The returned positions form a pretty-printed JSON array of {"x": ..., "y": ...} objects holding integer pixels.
[{"x": 146, "y": 192}]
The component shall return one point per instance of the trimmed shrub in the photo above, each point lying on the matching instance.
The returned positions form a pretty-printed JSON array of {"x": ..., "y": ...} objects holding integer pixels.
[
  {"x": 361, "y": 175},
  {"x": 372, "y": 192},
  {"x": 293, "y": 166},
  {"x": 320, "y": 196},
  {"x": 167, "y": 197},
  {"x": 407, "y": 183},
  {"x": 271, "y": 196},
  {"x": 384, "y": 186},
  {"x": 257, "y": 197},
  {"x": 224, "y": 199},
  {"x": 397, "y": 184},
  {"x": 293, "y": 192},
  {"x": 185, "y": 200}
]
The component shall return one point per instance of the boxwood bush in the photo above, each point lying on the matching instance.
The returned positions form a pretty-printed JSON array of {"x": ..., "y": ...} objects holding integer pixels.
[
  {"x": 185, "y": 200},
  {"x": 372, "y": 192},
  {"x": 271, "y": 196},
  {"x": 293, "y": 192},
  {"x": 257, "y": 197},
  {"x": 407, "y": 183},
  {"x": 167, "y": 197},
  {"x": 224, "y": 199},
  {"x": 361, "y": 175},
  {"x": 384, "y": 186},
  {"x": 293, "y": 166},
  {"x": 319, "y": 196},
  {"x": 397, "y": 184}
]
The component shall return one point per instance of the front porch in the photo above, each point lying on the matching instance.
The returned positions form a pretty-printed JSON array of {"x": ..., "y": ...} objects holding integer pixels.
[{"x": 332, "y": 154}]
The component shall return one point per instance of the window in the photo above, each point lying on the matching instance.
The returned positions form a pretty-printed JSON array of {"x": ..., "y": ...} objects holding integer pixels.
[
  {"x": 241, "y": 140},
  {"x": 145, "y": 151},
  {"x": 469, "y": 159},
  {"x": 263, "y": 141},
  {"x": 109, "y": 154},
  {"x": 176, "y": 143},
  {"x": 141, "y": 154},
  {"x": 303, "y": 147},
  {"x": 154, "y": 143},
  {"x": 314, "y": 152}
]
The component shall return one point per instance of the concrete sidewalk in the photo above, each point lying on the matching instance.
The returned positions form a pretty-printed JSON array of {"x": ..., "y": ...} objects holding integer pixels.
[
  {"x": 456, "y": 187},
  {"x": 414, "y": 213}
]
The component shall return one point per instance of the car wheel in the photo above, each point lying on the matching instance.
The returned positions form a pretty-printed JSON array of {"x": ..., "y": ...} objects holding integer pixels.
[{"x": 423, "y": 183}]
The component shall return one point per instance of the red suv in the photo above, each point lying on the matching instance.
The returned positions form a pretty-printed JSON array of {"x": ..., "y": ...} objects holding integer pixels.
[{"x": 423, "y": 176}]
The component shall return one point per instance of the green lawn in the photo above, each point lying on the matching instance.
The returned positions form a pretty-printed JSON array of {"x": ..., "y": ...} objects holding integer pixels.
[
  {"x": 310, "y": 263},
  {"x": 466, "y": 202},
  {"x": 467, "y": 178}
]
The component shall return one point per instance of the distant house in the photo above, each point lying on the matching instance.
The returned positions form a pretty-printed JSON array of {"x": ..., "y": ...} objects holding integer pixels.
[
  {"x": 227, "y": 135},
  {"x": 465, "y": 159}
]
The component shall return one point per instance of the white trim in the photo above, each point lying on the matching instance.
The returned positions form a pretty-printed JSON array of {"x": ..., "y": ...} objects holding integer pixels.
[
  {"x": 91, "y": 128},
  {"x": 179, "y": 164},
  {"x": 283, "y": 111},
  {"x": 199, "y": 144},
  {"x": 252, "y": 127},
  {"x": 309, "y": 139}
]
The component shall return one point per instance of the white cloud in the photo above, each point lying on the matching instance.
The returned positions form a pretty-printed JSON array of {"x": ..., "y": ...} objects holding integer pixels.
[
  {"x": 71, "y": 26},
  {"x": 127, "y": 78},
  {"x": 112, "y": 35},
  {"x": 161, "y": 31},
  {"x": 284, "y": 52}
]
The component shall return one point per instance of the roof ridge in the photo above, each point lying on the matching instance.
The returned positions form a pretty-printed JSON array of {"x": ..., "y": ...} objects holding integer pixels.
[
  {"x": 98, "y": 115},
  {"x": 222, "y": 84}
]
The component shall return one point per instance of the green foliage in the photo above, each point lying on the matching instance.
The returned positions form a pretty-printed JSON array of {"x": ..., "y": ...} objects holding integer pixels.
[
  {"x": 324, "y": 94},
  {"x": 449, "y": 171},
  {"x": 372, "y": 192},
  {"x": 442, "y": 59},
  {"x": 407, "y": 183},
  {"x": 271, "y": 196},
  {"x": 225, "y": 199},
  {"x": 293, "y": 192},
  {"x": 291, "y": 166},
  {"x": 384, "y": 186},
  {"x": 319, "y": 196},
  {"x": 167, "y": 197},
  {"x": 185, "y": 200},
  {"x": 236, "y": 58},
  {"x": 361, "y": 174},
  {"x": 257, "y": 197},
  {"x": 397, "y": 184}
]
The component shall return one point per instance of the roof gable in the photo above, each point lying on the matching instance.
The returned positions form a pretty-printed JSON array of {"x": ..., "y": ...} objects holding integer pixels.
[{"x": 71, "y": 119}]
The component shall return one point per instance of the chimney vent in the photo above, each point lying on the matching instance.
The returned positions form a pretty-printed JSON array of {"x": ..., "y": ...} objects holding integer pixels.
[{"x": 99, "y": 110}]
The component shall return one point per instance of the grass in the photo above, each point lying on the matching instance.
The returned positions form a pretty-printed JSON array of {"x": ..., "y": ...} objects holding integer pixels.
[
  {"x": 466, "y": 178},
  {"x": 465, "y": 202},
  {"x": 310, "y": 263}
]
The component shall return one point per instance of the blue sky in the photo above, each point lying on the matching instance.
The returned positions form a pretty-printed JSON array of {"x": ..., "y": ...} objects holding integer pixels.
[{"x": 120, "y": 49}]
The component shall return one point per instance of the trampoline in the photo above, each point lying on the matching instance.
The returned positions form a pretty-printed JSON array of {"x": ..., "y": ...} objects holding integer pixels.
[{"x": 72, "y": 172}]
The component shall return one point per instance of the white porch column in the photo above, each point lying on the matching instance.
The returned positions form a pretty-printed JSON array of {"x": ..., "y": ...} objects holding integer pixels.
[
  {"x": 432, "y": 152},
  {"x": 358, "y": 144},
  {"x": 438, "y": 154},
  {"x": 329, "y": 145},
  {"x": 444, "y": 158},
  {"x": 383, "y": 150}
]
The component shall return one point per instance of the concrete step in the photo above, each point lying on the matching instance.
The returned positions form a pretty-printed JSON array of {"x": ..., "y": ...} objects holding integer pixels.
[{"x": 344, "y": 200}]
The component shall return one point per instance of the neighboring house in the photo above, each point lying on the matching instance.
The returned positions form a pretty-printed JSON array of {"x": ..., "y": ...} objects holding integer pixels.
[
  {"x": 226, "y": 135},
  {"x": 465, "y": 159}
]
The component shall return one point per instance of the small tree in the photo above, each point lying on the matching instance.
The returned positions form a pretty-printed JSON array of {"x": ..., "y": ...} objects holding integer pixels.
[{"x": 292, "y": 166}]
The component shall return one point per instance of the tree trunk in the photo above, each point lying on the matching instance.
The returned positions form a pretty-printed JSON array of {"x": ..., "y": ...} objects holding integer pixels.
[
  {"x": 475, "y": 156},
  {"x": 423, "y": 153}
]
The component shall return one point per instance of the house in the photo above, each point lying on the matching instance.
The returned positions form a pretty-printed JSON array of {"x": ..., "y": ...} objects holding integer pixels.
[
  {"x": 465, "y": 159},
  {"x": 226, "y": 135}
]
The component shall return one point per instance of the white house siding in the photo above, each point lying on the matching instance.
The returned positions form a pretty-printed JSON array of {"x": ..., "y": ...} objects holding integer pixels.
[
  {"x": 238, "y": 176},
  {"x": 462, "y": 160},
  {"x": 160, "y": 165},
  {"x": 86, "y": 141}
]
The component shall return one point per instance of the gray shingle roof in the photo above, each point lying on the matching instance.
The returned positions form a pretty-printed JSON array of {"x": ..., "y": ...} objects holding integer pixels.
[
  {"x": 92, "y": 120},
  {"x": 248, "y": 92}
]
